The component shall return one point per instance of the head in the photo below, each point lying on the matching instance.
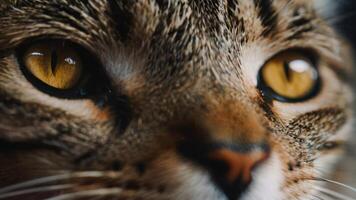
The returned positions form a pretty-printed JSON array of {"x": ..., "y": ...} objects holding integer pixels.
[{"x": 162, "y": 99}]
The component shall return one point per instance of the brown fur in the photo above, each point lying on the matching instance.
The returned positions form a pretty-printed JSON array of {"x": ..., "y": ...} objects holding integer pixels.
[{"x": 178, "y": 63}]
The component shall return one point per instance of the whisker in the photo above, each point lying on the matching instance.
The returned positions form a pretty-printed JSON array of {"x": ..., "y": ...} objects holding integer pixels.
[
  {"x": 49, "y": 179},
  {"x": 333, "y": 193},
  {"x": 35, "y": 190},
  {"x": 322, "y": 196},
  {"x": 315, "y": 197},
  {"x": 336, "y": 183},
  {"x": 88, "y": 193}
]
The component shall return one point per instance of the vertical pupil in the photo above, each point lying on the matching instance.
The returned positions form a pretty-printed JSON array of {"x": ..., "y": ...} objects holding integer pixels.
[
  {"x": 287, "y": 71},
  {"x": 54, "y": 61}
]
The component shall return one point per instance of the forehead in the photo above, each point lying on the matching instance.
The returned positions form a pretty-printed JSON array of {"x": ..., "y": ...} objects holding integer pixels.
[
  {"x": 209, "y": 33},
  {"x": 143, "y": 17}
]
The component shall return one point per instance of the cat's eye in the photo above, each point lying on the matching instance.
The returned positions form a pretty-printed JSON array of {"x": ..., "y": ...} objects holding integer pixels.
[
  {"x": 290, "y": 76},
  {"x": 56, "y": 65},
  {"x": 60, "y": 68}
]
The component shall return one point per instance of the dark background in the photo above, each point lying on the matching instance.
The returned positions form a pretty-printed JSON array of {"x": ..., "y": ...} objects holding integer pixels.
[{"x": 345, "y": 20}]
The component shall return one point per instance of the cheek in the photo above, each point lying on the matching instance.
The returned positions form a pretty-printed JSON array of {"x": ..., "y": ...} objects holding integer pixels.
[
  {"x": 22, "y": 165},
  {"x": 268, "y": 180},
  {"x": 327, "y": 160},
  {"x": 97, "y": 114}
]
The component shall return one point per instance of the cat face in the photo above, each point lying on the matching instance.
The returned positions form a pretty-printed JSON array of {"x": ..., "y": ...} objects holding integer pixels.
[{"x": 162, "y": 99}]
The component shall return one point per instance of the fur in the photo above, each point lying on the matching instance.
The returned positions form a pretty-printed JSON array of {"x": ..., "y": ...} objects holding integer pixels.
[{"x": 170, "y": 63}]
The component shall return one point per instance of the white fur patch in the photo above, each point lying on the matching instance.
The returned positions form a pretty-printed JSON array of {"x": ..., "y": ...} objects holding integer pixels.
[
  {"x": 267, "y": 181},
  {"x": 193, "y": 182},
  {"x": 196, "y": 184}
]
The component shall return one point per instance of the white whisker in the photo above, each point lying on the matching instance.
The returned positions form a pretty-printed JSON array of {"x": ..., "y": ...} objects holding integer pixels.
[
  {"x": 49, "y": 179},
  {"x": 333, "y": 193},
  {"x": 89, "y": 193},
  {"x": 35, "y": 190},
  {"x": 316, "y": 198},
  {"x": 322, "y": 196},
  {"x": 338, "y": 183}
]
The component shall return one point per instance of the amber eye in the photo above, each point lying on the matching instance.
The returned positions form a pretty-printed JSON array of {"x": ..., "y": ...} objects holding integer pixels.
[
  {"x": 62, "y": 69},
  {"x": 290, "y": 76},
  {"x": 54, "y": 64}
]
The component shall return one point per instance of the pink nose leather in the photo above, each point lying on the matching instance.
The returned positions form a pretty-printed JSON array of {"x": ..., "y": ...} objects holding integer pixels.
[{"x": 239, "y": 165}]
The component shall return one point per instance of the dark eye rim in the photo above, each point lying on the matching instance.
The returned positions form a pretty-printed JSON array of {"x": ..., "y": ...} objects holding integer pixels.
[
  {"x": 83, "y": 89},
  {"x": 269, "y": 93}
]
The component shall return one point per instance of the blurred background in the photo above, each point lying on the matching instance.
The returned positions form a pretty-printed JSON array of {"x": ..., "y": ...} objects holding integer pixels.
[
  {"x": 345, "y": 22},
  {"x": 346, "y": 19}
]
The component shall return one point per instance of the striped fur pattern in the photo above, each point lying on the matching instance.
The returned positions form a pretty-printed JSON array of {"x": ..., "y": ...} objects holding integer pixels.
[{"x": 170, "y": 62}]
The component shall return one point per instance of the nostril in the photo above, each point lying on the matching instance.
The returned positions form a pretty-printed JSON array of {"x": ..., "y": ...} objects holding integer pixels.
[
  {"x": 230, "y": 165},
  {"x": 235, "y": 175}
]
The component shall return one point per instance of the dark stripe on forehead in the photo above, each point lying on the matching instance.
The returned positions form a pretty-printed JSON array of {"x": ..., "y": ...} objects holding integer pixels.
[
  {"x": 231, "y": 7},
  {"x": 234, "y": 20},
  {"x": 209, "y": 14},
  {"x": 302, "y": 21},
  {"x": 163, "y": 4},
  {"x": 119, "y": 13},
  {"x": 268, "y": 16}
]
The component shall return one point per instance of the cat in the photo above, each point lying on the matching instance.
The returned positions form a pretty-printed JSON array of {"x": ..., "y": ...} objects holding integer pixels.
[{"x": 170, "y": 99}]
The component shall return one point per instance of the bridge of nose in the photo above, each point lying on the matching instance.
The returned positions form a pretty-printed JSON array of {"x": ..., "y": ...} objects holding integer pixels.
[
  {"x": 236, "y": 120},
  {"x": 229, "y": 140}
]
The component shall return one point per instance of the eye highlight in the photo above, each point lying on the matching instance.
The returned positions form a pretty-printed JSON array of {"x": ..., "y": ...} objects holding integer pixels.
[
  {"x": 62, "y": 69},
  {"x": 290, "y": 76},
  {"x": 56, "y": 65}
]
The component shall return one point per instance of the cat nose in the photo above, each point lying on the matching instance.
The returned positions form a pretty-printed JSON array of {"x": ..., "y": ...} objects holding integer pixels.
[
  {"x": 230, "y": 165},
  {"x": 227, "y": 137}
]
